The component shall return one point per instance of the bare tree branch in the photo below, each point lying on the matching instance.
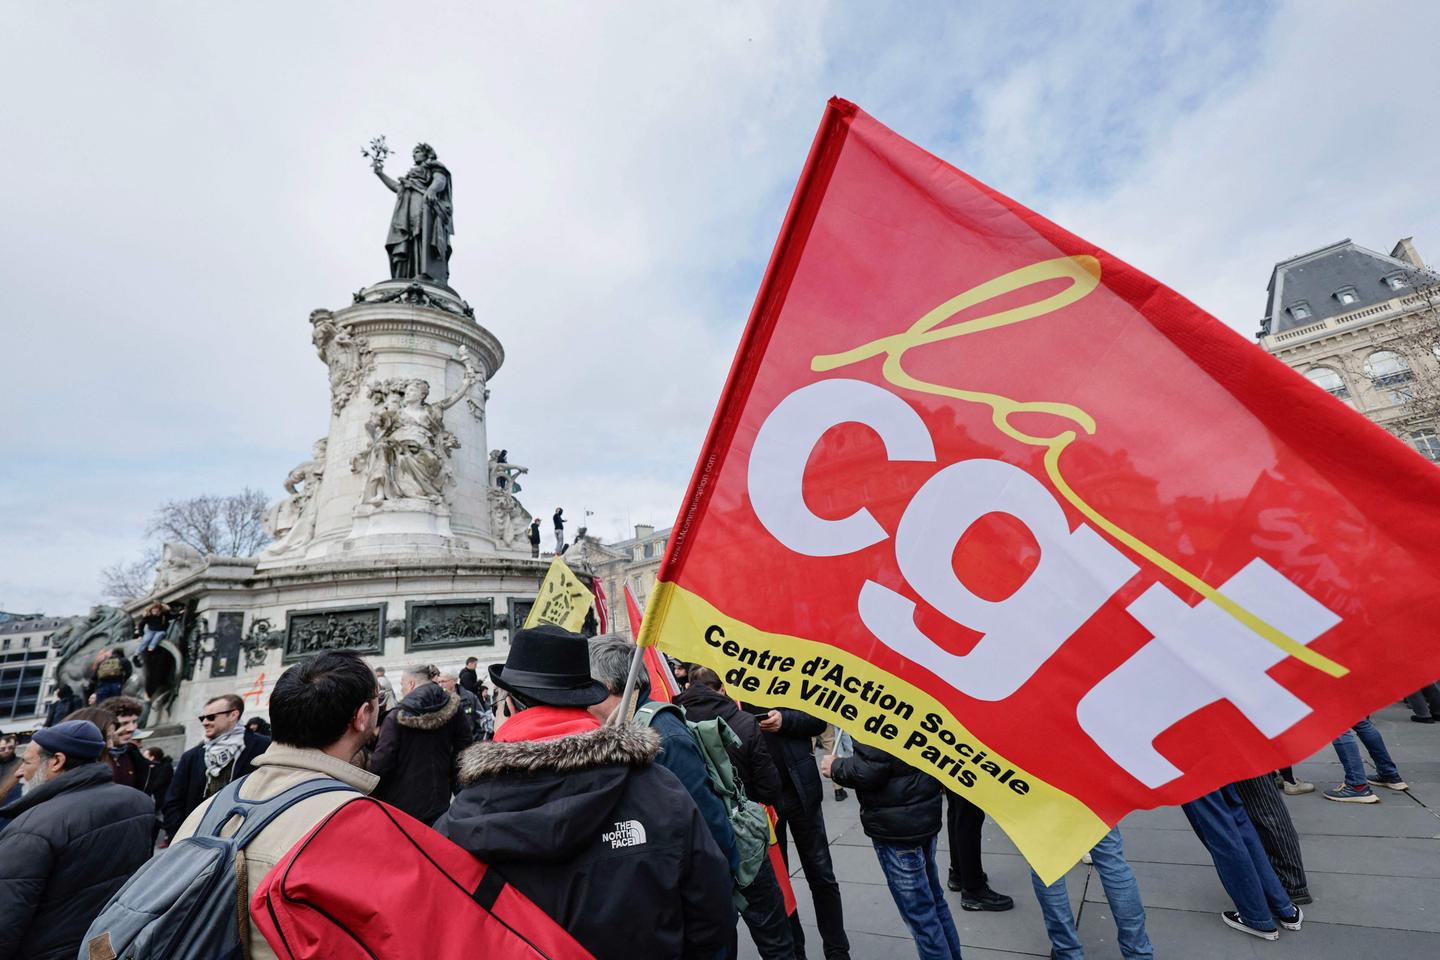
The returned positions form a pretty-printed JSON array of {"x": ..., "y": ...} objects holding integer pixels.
[{"x": 122, "y": 582}]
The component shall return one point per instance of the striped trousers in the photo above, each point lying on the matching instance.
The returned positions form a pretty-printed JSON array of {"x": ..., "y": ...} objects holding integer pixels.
[{"x": 1266, "y": 808}]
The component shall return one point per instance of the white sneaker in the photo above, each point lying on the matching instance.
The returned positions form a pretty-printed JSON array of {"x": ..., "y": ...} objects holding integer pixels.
[
  {"x": 1297, "y": 788},
  {"x": 1294, "y": 924},
  {"x": 1232, "y": 919}
]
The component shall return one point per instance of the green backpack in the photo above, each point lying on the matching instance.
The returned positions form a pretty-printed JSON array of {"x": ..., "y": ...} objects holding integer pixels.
[{"x": 747, "y": 818}]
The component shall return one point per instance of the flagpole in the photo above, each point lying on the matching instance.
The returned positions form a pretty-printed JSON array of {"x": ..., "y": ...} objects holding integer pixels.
[{"x": 624, "y": 711}]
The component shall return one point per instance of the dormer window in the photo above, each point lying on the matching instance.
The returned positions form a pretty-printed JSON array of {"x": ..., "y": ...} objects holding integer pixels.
[
  {"x": 1396, "y": 281},
  {"x": 1300, "y": 310},
  {"x": 1347, "y": 296}
]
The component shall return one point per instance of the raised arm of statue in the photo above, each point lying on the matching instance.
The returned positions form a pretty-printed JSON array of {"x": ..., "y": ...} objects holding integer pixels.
[
  {"x": 386, "y": 179},
  {"x": 460, "y": 391}
]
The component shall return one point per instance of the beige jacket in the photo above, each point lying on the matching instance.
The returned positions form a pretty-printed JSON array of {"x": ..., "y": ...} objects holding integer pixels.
[{"x": 277, "y": 770}]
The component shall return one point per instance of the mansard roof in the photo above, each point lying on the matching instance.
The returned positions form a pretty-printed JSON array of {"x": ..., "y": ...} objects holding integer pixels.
[{"x": 1315, "y": 286}]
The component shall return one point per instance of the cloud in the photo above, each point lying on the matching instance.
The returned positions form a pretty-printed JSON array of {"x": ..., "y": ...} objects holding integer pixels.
[{"x": 190, "y": 187}]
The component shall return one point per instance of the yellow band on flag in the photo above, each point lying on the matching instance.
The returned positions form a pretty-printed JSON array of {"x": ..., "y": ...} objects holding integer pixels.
[{"x": 1051, "y": 827}]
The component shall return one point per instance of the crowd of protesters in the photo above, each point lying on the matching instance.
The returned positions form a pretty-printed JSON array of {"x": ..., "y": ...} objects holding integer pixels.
[{"x": 631, "y": 836}]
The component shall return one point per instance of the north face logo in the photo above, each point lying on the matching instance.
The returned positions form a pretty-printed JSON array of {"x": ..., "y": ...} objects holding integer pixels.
[{"x": 627, "y": 833}]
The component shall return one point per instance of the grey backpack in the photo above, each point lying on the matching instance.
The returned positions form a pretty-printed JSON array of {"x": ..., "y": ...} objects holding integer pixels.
[{"x": 191, "y": 901}]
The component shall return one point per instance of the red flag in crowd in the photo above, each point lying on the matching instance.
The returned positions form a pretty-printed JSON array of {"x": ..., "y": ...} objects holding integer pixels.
[
  {"x": 993, "y": 500},
  {"x": 602, "y": 605}
]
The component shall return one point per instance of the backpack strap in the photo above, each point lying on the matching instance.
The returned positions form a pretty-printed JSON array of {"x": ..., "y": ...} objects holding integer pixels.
[
  {"x": 258, "y": 814},
  {"x": 647, "y": 712}
]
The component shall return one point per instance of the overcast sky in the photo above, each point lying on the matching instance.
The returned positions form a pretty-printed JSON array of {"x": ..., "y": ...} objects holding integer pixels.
[{"x": 184, "y": 185}]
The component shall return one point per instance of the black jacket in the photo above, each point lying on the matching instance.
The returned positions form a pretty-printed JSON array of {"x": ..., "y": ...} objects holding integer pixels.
[
  {"x": 187, "y": 789},
  {"x": 61, "y": 709},
  {"x": 898, "y": 803},
  {"x": 793, "y": 751},
  {"x": 415, "y": 755},
  {"x": 751, "y": 760},
  {"x": 74, "y": 841},
  {"x": 600, "y": 837},
  {"x": 468, "y": 680},
  {"x": 470, "y": 707}
]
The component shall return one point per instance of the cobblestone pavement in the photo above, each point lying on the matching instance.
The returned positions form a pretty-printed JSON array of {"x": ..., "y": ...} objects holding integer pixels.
[{"x": 1374, "y": 870}]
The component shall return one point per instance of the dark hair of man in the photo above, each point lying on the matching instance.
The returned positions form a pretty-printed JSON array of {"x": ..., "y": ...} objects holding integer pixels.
[
  {"x": 314, "y": 701},
  {"x": 470, "y": 660},
  {"x": 7, "y": 736},
  {"x": 156, "y": 754},
  {"x": 123, "y": 706},
  {"x": 63, "y": 690},
  {"x": 233, "y": 703},
  {"x": 103, "y": 719},
  {"x": 705, "y": 677}
]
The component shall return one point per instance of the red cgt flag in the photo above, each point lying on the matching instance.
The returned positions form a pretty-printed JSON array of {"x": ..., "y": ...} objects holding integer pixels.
[{"x": 993, "y": 500}]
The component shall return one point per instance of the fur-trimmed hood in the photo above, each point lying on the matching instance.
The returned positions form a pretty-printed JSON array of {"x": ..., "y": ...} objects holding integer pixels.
[
  {"x": 427, "y": 708},
  {"x": 609, "y": 745},
  {"x": 549, "y": 787}
]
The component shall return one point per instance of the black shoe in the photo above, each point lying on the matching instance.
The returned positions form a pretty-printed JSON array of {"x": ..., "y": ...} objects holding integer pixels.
[
  {"x": 1301, "y": 898},
  {"x": 986, "y": 899},
  {"x": 952, "y": 883},
  {"x": 840, "y": 794},
  {"x": 1422, "y": 719}
]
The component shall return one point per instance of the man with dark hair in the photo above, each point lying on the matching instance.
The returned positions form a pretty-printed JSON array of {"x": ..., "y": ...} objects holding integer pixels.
[
  {"x": 579, "y": 818},
  {"x": 469, "y": 680},
  {"x": 128, "y": 764},
  {"x": 9, "y": 771},
  {"x": 419, "y": 740},
  {"x": 227, "y": 753},
  {"x": 75, "y": 838},
  {"x": 322, "y": 711}
]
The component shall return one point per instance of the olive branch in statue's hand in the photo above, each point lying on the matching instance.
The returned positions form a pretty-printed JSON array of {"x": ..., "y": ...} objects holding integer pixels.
[{"x": 377, "y": 152}]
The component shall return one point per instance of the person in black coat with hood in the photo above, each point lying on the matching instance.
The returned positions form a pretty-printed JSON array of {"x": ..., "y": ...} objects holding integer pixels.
[
  {"x": 789, "y": 736},
  {"x": 901, "y": 811},
  {"x": 703, "y": 699},
  {"x": 75, "y": 838},
  {"x": 419, "y": 741},
  {"x": 581, "y": 819}
]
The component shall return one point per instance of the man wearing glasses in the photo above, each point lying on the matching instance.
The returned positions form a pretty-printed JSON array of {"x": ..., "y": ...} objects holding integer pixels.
[{"x": 227, "y": 752}]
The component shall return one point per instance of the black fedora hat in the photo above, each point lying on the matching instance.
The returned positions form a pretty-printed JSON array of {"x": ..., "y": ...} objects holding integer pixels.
[{"x": 551, "y": 666}]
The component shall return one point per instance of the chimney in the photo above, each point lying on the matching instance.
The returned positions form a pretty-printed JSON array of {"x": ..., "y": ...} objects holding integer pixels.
[
  {"x": 1405, "y": 250},
  {"x": 643, "y": 530}
]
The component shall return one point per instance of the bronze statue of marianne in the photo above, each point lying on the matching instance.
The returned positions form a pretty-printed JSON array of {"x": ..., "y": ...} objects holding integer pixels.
[{"x": 423, "y": 221}]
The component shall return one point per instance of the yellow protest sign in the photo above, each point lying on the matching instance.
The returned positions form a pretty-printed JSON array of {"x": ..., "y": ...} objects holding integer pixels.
[{"x": 563, "y": 600}]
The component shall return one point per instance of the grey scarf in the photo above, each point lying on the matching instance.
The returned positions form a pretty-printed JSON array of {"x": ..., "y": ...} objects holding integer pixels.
[{"x": 222, "y": 751}]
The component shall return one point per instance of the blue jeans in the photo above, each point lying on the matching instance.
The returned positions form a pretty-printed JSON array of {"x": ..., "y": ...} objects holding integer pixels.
[
  {"x": 914, "y": 881},
  {"x": 1220, "y": 821},
  {"x": 1120, "y": 889},
  {"x": 1349, "y": 753},
  {"x": 151, "y": 640},
  {"x": 106, "y": 689}
]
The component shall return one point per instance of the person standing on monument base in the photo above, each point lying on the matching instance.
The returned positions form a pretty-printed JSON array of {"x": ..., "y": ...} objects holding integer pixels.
[
  {"x": 415, "y": 755},
  {"x": 535, "y": 538},
  {"x": 228, "y": 752},
  {"x": 75, "y": 837},
  {"x": 559, "y": 522}
]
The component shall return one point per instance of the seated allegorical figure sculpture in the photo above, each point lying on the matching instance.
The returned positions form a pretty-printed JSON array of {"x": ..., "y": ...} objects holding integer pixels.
[{"x": 409, "y": 445}]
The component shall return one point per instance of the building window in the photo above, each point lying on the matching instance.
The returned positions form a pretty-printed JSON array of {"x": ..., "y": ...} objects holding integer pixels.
[
  {"x": 649, "y": 550},
  {"x": 1300, "y": 310},
  {"x": 1386, "y": 368},
  {"x": 6, "y": 645},
  {"x": 1396, "y": 281},
  {"x": 1428, "y": 443},
  {"x": 1330, "y": 381},
  {"x": 1347, "y": 296}
]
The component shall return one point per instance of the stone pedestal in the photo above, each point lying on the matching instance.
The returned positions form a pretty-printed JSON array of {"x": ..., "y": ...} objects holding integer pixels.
[{"x": 400, "y": 332}]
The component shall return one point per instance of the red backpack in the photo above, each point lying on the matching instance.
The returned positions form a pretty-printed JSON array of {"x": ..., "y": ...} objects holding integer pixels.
[{"x": 372, "y": 882}]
